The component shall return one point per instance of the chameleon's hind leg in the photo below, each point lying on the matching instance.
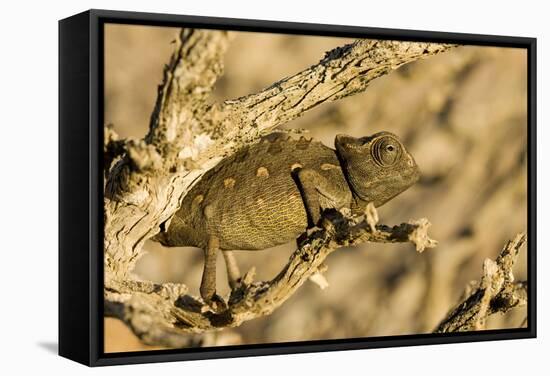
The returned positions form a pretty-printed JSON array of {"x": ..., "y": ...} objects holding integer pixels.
[
  {"x": 233, "y": 273},
  {"x": 208, "y": 282}
]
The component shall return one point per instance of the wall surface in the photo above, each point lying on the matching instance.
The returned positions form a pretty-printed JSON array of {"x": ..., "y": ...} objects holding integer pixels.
[{"x": 29, "y": 156}]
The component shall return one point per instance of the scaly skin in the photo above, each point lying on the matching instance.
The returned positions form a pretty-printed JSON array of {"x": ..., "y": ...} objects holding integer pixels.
[{"x": 269, "y": 193}]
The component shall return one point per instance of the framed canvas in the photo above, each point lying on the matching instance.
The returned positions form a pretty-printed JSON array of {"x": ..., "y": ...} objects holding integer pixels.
[{"x": 236, "y": 187}]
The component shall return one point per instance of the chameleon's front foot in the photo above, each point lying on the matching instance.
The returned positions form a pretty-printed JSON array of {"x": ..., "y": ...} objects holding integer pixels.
[
  {"x": 311, "y": 230},
  {"x": 303, "y": 237}
]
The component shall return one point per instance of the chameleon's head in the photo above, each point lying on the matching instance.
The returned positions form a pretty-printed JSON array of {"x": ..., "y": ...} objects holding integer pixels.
[{"x": 377, "y": 167}]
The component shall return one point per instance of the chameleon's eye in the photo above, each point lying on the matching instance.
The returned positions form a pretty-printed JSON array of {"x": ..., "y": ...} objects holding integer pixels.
[{"x": 386, "y": 151}]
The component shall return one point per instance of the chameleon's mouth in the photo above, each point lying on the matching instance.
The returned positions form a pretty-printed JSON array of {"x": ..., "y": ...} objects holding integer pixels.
[{"x": 380, "y": 190}]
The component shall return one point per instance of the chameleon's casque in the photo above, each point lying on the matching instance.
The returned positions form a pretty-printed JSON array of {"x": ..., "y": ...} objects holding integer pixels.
[{"x": 269, "y": 193}]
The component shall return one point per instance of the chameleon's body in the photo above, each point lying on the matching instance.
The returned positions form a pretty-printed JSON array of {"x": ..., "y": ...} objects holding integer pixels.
[
  {"x": 269, "y": 193},
  {"x": 251, "y": 201}
]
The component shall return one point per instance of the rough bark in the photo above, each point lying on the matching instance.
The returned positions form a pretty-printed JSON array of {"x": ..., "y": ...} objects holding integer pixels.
[
  {"x": 155, "y": 312},
  {"x": 188, "y": 135},
  {"x": 497, "y": 292}
]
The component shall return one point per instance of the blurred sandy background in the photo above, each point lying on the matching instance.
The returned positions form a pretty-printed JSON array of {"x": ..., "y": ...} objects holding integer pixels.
[{"x": 463, "y": 115}]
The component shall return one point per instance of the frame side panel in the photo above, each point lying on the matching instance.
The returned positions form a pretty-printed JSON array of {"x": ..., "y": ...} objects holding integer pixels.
[{"x": 74, "y": 188}]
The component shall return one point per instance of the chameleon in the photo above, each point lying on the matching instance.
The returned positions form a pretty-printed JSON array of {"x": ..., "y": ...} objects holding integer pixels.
[{"x": 270, "y": 192}]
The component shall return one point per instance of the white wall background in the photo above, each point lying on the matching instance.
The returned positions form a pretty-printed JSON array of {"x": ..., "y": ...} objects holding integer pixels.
[{"x": 28, "y": 209}]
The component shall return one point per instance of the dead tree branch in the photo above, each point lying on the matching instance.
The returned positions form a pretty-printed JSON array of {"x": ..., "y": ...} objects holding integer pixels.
[
  {"x": 344, "y": 71},
  {"x": 155, "y": 312},
  {"x": 497, "y": 292},
  {"x": 188, "y": 135}
]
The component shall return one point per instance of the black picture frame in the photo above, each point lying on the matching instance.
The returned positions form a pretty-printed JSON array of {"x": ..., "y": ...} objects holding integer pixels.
[{"x": 81, "y": 186}]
